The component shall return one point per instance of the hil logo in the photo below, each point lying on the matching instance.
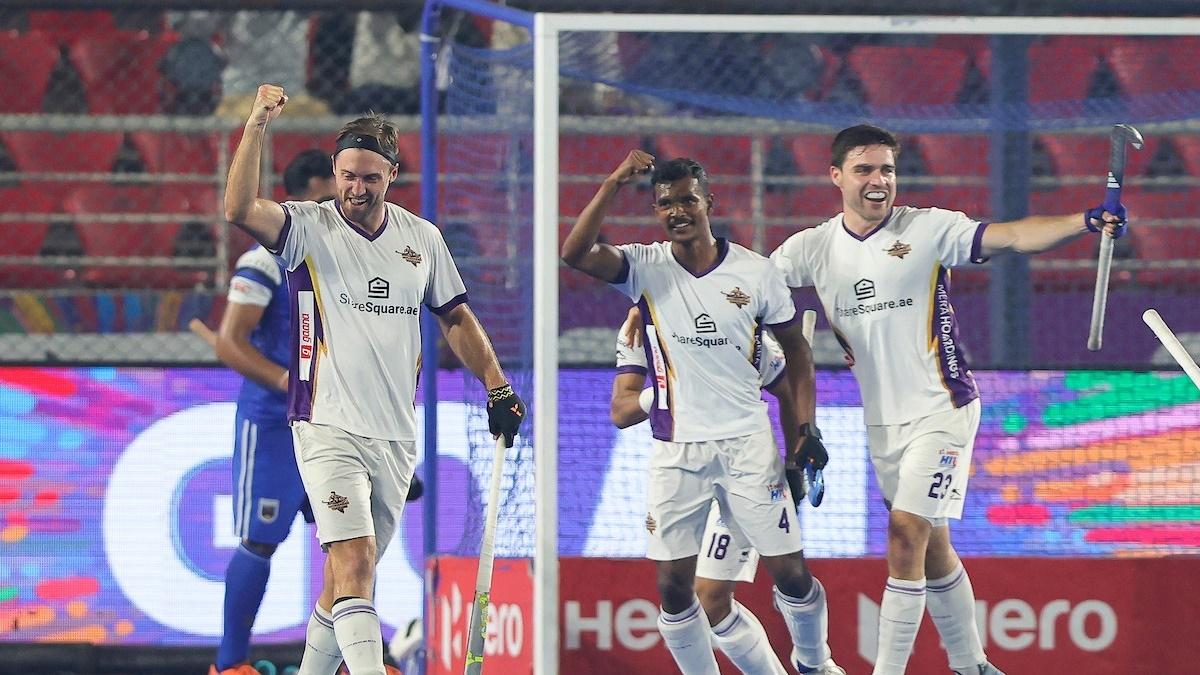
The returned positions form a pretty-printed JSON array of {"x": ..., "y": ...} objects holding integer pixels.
[
  {"x": 864, "y": 289},
  {"x": 705, "y": 324},
  {"x": 377, "y": 288}
]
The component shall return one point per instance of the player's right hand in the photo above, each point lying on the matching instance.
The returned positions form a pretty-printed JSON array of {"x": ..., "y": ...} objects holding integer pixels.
[
  {"x": 268, "y": 103},
  {"x": 812, "y": 451},
  {"x": 638, "y": 162},
  {"x": 505, "y": 412}
]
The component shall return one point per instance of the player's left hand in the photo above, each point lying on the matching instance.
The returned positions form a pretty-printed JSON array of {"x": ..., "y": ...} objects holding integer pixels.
[
  {"x": 795, "y": 481},
  {"x": 506, "y": 411},
  {"x": 812, "y": 451},
  {"x": 1112, "y": 223}
]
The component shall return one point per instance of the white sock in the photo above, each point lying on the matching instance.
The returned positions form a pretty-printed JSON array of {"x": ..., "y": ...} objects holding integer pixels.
[
  {"x": 807, "y": 620},
  {"x": 899, "y": 618},
  {"x": 358, "y": 635},
  {"x": 951, "y": 604},
  {"x": 742, "y": 638},
  {"x": 686, "y": 634},
  {"x": 322, "y": 656}
]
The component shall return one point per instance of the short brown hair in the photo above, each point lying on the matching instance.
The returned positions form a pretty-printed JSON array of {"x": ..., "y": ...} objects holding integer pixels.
[
  {"x": 860, "y": 135},
  {"x": 375, "y": 126}
]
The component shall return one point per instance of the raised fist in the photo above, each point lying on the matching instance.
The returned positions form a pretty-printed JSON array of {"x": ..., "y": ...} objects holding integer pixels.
[
  {"x": 268, "y": 103},
  {"x": 638, "y": 162}
]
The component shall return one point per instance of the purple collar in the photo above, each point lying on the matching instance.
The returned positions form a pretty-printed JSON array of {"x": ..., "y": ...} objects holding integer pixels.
[
  {"x": 722, "y": 251},
  {"x": 357, "y": 228},
  {"x": 882, "y": 224}
]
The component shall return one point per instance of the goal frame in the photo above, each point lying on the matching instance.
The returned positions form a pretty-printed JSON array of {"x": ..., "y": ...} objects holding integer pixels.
[{"x": 545, "y": 30}]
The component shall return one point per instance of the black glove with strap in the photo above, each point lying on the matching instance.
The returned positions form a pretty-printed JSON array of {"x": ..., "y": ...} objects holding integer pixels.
[{"x": 506, "y": 411}]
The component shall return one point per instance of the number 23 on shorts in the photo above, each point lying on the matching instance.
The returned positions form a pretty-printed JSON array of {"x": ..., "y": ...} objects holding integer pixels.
[{"x": 940, "y": 487}]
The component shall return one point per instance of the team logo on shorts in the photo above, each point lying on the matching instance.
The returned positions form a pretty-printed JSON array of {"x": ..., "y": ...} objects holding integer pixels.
[
  {"x": 948, "y": 458},
  {"x": 411, "y": 256},
  {"x": 737, "y": 296},
  {"x": 651, "y": 524},
  {"x": 268, "y": 509},
  {"x": 899, "y": 250},
  {"x": 777, "y": 491},
  {"x": 337, "y": 502}
]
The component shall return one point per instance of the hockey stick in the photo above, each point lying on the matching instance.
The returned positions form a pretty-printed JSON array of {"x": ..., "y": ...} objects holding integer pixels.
[
  {"x": 814, "y": 479},
  {"x": 1174, "y": 347},
  {"x": 203, "y": 332},
  {"x": 477, "y": 628},
  {"x": 1120, "y": 135}
]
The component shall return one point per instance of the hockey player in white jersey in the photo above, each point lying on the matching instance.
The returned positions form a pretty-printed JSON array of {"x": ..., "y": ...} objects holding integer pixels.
[
  {"x": 704, "y": 302},
  {"x": 882, "y": 274},
  {"x": 726, "y": 557},
  {"x": 359, "y": 269}
]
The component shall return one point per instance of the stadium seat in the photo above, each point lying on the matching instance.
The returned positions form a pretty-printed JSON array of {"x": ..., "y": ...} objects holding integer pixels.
[
  {"x": 811, "y": 153},
  {"x": 120, "y": 72},
  {"x": 46, "y": 151},
  {"x": 67, "y": 26},
  {"x": 970, "y": 199},
  {"x": 131, "y": 239},
  {"x": 719, "y": 155},
  {"x": 888, "y": 73},
  {"x": 1188, "y": 146},
  {"x": 285, "y": 145},
  {"x": 630, "y": 201},
  {"x": 1061, "y": 71},
  {"x": 593, "y": 155},
  {"x": 26, "y": 62},
  {"x": 956, "y": 155},
  {"x": 1149, "y": 66},
  {"x": 1087, "y": 155},
  {"x": 24, "y": 238},
  {"x": 175, "y": 152}
]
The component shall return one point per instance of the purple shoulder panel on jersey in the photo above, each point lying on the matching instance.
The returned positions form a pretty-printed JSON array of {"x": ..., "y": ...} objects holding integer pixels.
[
  {"x": 301, "y": 392},
  {"x": 977, "y": 256},
  {"x": 443, "y": 309},
  {"x": 623, "y": 275},
  {"x": 277, "y": 248}
]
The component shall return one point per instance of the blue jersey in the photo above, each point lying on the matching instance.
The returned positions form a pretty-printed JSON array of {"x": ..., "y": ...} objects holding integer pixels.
[{"x": 259, "y": 280}]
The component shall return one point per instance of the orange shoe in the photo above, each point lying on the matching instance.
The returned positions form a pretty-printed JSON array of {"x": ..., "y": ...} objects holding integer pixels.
[{"x": 239, "y": 669}]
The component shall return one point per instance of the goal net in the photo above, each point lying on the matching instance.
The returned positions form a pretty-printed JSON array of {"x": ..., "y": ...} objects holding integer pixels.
[{"x": 999, "y": 118}]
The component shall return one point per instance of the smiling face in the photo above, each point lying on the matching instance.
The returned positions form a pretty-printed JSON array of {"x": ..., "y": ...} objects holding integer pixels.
[
  {"x": 682, "y": 208},
  {"x": 867, "y": 179},
  {"x": 362, "y": 178}
]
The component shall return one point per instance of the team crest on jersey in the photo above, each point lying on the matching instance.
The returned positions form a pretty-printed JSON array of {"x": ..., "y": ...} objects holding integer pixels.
[
  {"x": 268, "y": 510},
  {"x": 651, "y": 524},
  {"x": 899, "y": 249},
  {"x": 337, "y": 502},
  {"x": 410, "y": 256},
  {"x": 777, "y": 491},
  {"x": 737, "y": 296},
  {"x": 948, "y": 459}
]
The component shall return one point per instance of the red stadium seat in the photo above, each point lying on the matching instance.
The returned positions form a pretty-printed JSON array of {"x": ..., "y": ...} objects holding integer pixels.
[
  {"x": 26, "y": 62},
  {"x": 130, "y": 239},
  {"x": 1087, "y": 155},
  {"x": 24, "y": 238},
  {"x": 1061, "y": 71},
  {"x": 1151, "y": 66},
  {"x": 1189, "y": 150},
  {"x": 120, "y": 72},
  {"x": 955, "y": 154},
  {"x": 889, "y": 73},
  {"x": 719, "y": 155},
  {"x": 593, "y": 155},
  {"x": 46, "y": 151},
  {"x": 285, "y": 145},
  {"x": 174, "y": 152},
  {"x": 811, "y": 153},
  {"x": 970, "y": 199},
  {"x": 67, "y": 26}
]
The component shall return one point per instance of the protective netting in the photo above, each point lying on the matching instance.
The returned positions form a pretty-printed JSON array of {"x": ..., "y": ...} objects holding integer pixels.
[{"x": 996, "y": 127}]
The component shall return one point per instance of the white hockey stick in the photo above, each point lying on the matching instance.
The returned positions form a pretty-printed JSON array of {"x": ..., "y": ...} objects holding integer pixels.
[
  {"x": 477, "y": 628},
  {"x": 1173, "y": 345}
]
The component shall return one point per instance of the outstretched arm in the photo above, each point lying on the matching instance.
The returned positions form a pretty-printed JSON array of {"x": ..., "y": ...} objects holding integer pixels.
[
  {"x": 261, "y": 218},
  {"x": 581, "y": 248},
  {"x": 1036, "y": 234}
]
